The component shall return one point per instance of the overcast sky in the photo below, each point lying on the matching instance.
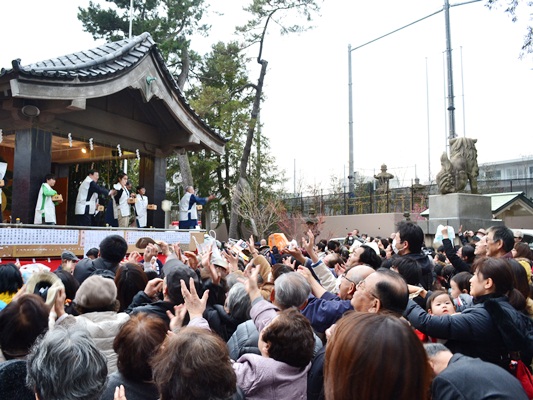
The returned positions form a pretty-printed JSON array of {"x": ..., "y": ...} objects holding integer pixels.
[{"x": 305, "y": 113}]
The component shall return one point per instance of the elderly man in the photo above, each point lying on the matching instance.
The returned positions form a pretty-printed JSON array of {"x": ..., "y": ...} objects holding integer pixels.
[
  {"x": 188, "y": 218},
  {"x": 290, "y": 290},
  {"x": 68, "y": 261},
  {"x": 381, "y": 291},
  {"x": 462, "y": 377},
  {"x": 500, "y": 242},
  {"x": 324, "y": 308},
  {"x": 72, "y": 355}
]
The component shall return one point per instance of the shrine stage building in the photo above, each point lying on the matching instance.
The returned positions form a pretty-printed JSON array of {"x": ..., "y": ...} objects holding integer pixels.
[{"x": 92, "y": 110}]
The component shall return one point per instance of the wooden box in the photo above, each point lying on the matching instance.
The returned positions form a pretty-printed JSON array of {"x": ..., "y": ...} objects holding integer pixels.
[
  {"x": 57, "y": 197},
  {"x": 151, "y": 207},
  {"x": 132, "y": 200}
]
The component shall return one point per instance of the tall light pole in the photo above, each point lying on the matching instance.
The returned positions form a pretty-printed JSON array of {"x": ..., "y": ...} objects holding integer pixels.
[
  {"x": 351, "y": 173},
  {"x": 131, "y": 20},
  {"x": 449, "y": 68},
  {"x": 451, "y": 107}
]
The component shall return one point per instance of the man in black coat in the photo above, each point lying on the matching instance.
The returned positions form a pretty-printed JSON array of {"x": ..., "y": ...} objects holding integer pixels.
[
  {"x": 112, "y": 251},
  {"x": 462, "y": 377},
  {"x": 408, "y": 243}
]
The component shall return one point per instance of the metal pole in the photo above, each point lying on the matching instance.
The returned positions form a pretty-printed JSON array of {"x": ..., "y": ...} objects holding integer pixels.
[
  {"x": 350, "y": 124},
  {"x": 294, "y": 178},
  {"x": 463, "y": 93},
  {"x": 427, "y": 116},
  {"x": 131, "y": 19},
  {"x": 451, "y": 107}
]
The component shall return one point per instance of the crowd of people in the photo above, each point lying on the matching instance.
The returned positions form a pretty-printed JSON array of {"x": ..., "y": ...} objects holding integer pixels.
[{"x": 370, "y": 318}]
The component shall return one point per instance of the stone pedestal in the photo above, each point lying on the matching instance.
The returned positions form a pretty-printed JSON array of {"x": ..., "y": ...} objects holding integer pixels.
[{"x": 472, "y": 211}]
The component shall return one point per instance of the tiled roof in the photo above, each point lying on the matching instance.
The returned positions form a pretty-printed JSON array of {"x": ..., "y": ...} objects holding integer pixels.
[
  {"x": 103, "y": 62},
  {"x": 108, "y": 59}
]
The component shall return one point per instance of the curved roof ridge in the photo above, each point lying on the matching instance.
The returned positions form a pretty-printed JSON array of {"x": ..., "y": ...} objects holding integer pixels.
[
  {"x": 129, "y": 44},
  {"x": 109, "y": 58}
]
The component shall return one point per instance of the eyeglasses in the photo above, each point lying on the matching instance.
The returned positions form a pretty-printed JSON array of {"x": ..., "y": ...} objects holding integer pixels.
[
  {"x": 349, "y": 280},
  {"x": 361, "y": 286}
]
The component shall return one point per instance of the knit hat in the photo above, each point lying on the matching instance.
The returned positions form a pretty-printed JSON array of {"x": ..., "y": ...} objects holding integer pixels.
[
  {"x": 96, "y": 292},
  {"x": 45, "y": 285}
]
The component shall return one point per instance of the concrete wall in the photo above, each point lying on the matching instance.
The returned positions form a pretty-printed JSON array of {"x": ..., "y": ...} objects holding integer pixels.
[
  {"x": 339, "y": 226},
  {"x": 371, "y": 224}
]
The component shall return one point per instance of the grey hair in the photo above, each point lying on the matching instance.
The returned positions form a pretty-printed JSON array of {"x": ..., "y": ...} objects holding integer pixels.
[
  {"x": 238, "y": 302},
  {"x": 432, "y": 349},
  {"x": 66, "y": 365},
  {"x": 233, "y": 278},
  {"x": 291, "y": 290}
]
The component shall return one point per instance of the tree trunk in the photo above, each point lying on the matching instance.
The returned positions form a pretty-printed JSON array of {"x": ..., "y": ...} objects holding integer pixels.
[
  {"x": 243, "y": 175},
  {"x": 183, "y": 158},
  {"x": 185, "y": 66},
  {"x": 185, "y": 168},
  {"x": 223, "y": 194}
]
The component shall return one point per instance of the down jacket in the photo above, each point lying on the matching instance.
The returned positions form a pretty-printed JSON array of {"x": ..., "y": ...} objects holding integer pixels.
[{"x": 102, "y": 327}]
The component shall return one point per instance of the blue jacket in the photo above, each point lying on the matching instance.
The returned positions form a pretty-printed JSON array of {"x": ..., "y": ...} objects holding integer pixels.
[{"x": 325, "y": 311}]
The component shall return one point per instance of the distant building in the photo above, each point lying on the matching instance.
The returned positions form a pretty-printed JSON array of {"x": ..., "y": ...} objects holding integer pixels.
[{"x": 521, "y": 168}]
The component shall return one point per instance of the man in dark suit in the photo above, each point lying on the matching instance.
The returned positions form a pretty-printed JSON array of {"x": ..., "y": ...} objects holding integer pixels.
[{"x": 462, "y": 377}]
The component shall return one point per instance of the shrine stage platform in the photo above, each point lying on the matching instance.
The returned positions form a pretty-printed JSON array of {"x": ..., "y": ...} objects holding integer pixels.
[{"x": 45, "y": 243}]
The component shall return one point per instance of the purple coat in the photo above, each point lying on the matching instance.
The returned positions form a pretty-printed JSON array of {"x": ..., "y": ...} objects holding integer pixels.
[{"x": 263, "y": 378}]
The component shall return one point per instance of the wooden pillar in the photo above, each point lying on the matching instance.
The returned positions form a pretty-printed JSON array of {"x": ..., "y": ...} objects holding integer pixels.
[
  {"x": 32, "y": 161},
  {"x": 153, "y": 175}
]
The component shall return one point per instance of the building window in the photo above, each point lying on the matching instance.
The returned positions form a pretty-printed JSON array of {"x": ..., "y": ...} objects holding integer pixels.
[{"x": 494, "y": 174}]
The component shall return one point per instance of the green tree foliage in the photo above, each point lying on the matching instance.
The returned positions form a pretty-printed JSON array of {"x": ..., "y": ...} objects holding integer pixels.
[
  {"x": 283, "y": 13},
  {"x": 170, "y": 22},
  {"x": 222, "y": 97}
]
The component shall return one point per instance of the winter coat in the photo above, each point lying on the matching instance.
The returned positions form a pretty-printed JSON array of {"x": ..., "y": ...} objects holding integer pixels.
[
  {"x": 426, "y": 268},
  {"x": 102, "y": 327},
  {"x": 134, "y": 390},
  {"x": 325, "y": 311},
  {"x": 264, "y": 378},
  {"x": 141, "y": 303},
  {"x": 473, "y": 332},
  {"x": 470, "y": 378},
  {"x": 87, "y": 267},
  {"x": 459, "y": 264}
]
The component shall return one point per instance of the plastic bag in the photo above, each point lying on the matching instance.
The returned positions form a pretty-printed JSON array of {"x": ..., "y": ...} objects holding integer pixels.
[{"x": 438, "y": 234}]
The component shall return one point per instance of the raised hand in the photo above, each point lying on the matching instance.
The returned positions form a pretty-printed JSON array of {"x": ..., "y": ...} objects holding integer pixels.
[
  {"x": 176, "y": 319},
  {"x": 194, "y": 304}
]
